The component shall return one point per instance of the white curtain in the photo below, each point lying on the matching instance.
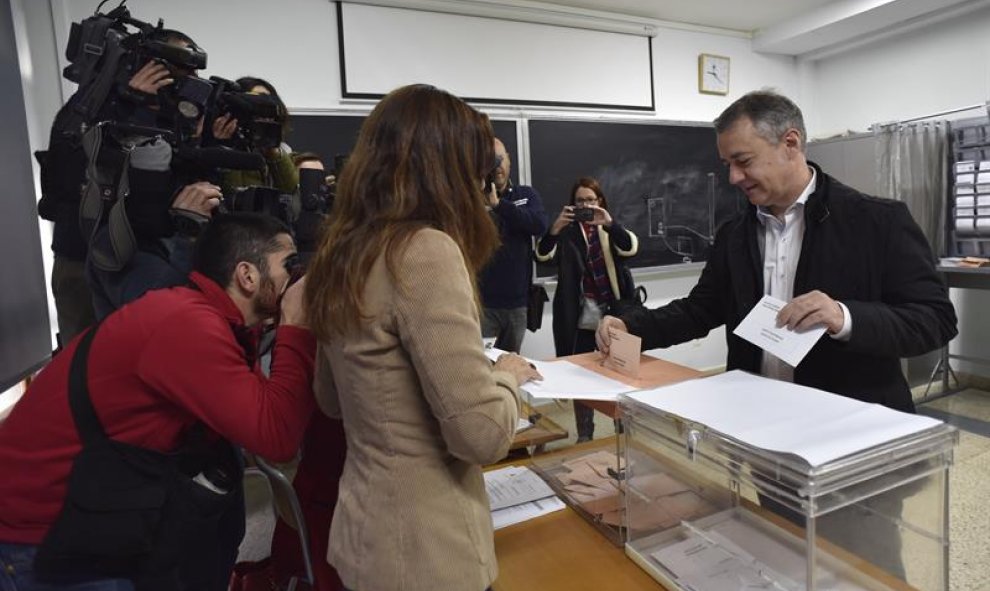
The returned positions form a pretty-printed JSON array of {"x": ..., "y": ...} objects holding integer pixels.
[{"x": 912, "y": 159}]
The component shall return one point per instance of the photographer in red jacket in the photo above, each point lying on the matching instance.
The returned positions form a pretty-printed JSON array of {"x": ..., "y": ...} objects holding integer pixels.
[{"x": 174, "y": 362}]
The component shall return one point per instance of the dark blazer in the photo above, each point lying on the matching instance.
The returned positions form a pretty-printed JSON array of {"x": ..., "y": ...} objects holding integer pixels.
[
  {"x": 865, "y": 252},
  {"x": 569, "y": 250}
]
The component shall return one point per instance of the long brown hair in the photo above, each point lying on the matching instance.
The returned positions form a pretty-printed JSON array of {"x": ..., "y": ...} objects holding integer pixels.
[
  {"x": 419, "y": 161},
  {"x": 590, "y": 183}
]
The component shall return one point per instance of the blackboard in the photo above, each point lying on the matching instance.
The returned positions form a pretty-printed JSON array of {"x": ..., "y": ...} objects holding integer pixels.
[
  {"x": 335, "y": 135},
  {"x": 663, "y": 181}
]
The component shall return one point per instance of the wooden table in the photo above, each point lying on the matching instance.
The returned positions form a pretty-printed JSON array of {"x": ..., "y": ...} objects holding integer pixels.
[
  {"x": 543, "y": 431},
  {"x": 563, "y": 551}
]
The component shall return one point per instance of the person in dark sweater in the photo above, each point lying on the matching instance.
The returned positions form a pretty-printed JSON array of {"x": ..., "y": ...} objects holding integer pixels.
[{"x": 504, "y": 282}]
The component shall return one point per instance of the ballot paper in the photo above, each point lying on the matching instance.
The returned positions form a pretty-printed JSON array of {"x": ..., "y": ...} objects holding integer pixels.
[
  {"x": 760, "y": 328},
  {"x": 623, "y": 352},
  {"x": 707, "y": 561},
  {"x": 565, "y": 380},
  {"x": 514, "y": 485},
  {"x": 519, "y": 513},
  {"x": 811, "y": 424},
  {"x": 517, "y": 494}
]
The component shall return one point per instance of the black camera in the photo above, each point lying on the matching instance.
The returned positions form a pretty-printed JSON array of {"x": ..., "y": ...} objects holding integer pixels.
[
  {"x": 258, "y": 199},
  {"x": 584, "y": 214},
  {"x": 314, "y": 193},
  {"x": 104, "y": 52},
  {"x": 490, "y": 177},
  {"x": 259, "y": 116}
]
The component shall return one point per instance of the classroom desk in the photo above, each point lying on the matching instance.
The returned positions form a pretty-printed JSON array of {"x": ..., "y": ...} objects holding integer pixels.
[
  {"x": 561, "y": 551},
  {"x": 960, "y": 278},
  {"x": 543, "y": 431}
]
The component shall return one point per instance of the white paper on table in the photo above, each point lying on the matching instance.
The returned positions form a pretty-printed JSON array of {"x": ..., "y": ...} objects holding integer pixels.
[
  {"x": 710, "y": 562},
  {"x": 563, "y": 379},
  {"x": 760, "y": 328},
  {"x": 514, "y": 485},
  {"x": 780, "y": 416},
  {"x": 522, "y": 425},
  {"x": 519, "y": 513}
]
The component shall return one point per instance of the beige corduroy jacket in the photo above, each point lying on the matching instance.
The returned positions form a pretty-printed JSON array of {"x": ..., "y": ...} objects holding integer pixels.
[{"x": 422, "y": 410}]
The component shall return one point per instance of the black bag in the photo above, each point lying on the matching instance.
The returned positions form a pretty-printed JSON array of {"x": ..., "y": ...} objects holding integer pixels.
[
  {"x": 128, "y": 511},
  {"x": 535, "y": 298}
]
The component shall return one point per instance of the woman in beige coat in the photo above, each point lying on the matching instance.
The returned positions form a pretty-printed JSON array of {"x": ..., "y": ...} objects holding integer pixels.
[{"x": 391, "y": 296}]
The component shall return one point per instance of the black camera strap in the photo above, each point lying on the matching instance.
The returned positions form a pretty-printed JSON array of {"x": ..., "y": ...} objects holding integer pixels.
[
  {"x": 87, "y": 423},
  {"x": 116, "y": 249}
]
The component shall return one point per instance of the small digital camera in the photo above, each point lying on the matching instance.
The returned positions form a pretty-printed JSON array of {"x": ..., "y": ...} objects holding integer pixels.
[{"x": 584, "y": 214}]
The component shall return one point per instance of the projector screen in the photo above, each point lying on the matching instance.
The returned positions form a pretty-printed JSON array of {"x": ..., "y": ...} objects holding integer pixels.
[{"x": 488, "y": 60}]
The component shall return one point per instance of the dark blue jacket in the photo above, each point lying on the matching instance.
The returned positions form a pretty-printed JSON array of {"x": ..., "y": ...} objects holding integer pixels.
[{"x": 519, "y": 216}]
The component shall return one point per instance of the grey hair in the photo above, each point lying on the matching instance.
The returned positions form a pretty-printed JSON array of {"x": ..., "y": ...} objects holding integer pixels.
[{"x": 772, "y": 115}]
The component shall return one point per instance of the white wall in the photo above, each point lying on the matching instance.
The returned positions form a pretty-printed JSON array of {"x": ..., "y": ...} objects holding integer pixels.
[
  {"x": 942, "y": 66},
  {"x": 294, "y": 45},
  {"x": 675, "y": 63},
  {"x": 939, "y": 67}
]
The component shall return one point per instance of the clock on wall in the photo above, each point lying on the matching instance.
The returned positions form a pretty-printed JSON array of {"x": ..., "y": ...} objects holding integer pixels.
[{"x": 713, "y": 74}]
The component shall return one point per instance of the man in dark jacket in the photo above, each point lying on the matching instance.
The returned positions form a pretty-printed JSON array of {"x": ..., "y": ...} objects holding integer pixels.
[
  {"x": 856, "y": 264},
  {"x": 504, "y": 282}
]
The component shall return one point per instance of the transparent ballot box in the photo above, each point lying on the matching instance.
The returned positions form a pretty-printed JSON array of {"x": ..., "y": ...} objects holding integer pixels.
[
  {"x": 710, "y": 511},
  {"x": 588, "y": 477}
]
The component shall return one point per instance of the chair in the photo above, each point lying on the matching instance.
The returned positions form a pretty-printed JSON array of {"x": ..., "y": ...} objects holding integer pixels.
[{"x": 287, "y": 507}]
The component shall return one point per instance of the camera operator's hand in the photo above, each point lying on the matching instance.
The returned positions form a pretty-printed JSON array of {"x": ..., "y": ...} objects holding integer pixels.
[
  {"x": 602, "y": 218},
  {"x": 224, "y": 127},
  {"x": 293, "y": 310},
  {"x": 150, "y": 78},
  {"x": 566, "y": 217},
  {"x": 201, "y": 198},
  {"x": 492, "y": 196}
]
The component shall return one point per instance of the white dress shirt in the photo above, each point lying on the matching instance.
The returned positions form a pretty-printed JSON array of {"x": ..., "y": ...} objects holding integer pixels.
[{"x": 781, "y": 248}]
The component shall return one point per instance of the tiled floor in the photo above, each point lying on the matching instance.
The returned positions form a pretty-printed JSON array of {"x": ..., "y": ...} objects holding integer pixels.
[{"x": 969, "y": 487}]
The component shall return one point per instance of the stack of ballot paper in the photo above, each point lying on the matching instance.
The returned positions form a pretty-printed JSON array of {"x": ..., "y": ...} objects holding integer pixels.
[
  {"x": 563, "y": 379},
  {"x": 517, "y": 494},
  {"x": 589, "y": 483},
  {"x": 815, "y": 426},
  {"x": 669, "y": 500}
]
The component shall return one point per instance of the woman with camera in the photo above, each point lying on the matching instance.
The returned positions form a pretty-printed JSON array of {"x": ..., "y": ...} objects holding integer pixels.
[
  {"x": 590, "y": 249},
  {"x": 393, "y": 300}
]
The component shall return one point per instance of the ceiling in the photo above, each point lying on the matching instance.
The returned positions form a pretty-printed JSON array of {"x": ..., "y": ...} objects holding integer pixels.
[
  {"x": 792, "y": 27},
  {"x": 739, "y": 15}
]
